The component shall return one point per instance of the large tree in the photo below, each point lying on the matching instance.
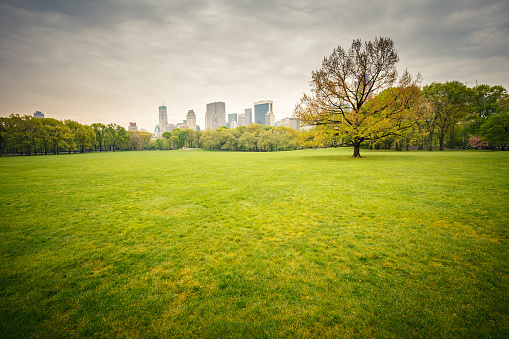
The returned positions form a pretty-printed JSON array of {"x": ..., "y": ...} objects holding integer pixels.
[
  {"x": 100, "y": 133},
  {"x": 487, "y": 100},
  {"x": 347, "y": 81},
  {"x": 449, "y": 102},
  {"x": 496, "y": 130}
]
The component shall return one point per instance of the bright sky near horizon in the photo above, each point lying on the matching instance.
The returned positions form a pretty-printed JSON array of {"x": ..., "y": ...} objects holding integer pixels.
[{"x": 115, "y": 61}]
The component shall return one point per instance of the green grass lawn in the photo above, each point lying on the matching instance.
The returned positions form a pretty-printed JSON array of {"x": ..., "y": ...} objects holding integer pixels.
[{"x": 224, "y": 244}]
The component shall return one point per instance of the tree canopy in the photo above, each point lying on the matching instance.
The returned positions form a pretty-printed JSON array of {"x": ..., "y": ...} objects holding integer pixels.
[{"x": 348, "y": 81}]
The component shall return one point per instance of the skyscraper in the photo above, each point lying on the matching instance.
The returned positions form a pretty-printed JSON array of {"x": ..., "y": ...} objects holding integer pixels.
[
  {"x": 290, "y": 122},
  {"x": 232, "y": 117},
  {"x": 191, "y": 120},
  {"x": 261, "y": 108},
  {"x": 215, "y": 115},
  {"x": 241, "y": 119},
  {"x": 270, "y": 119},
  {"x": 163, "y": 118},
  {"x": 248, "y": 116}
]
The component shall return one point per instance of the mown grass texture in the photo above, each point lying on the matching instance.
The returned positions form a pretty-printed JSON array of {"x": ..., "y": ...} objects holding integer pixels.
[{"x": 227, "y": 244}]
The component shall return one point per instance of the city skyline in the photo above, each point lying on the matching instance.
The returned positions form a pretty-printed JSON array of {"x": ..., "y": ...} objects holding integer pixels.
[{"x": 112, "y": 61}]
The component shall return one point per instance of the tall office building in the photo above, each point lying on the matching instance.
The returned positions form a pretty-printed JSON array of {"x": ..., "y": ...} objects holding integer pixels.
[
  {"x": 270, "y": 120},
  {"x": 232, "y": 117},
  {"x": 215, "y": 115},
  {"x": 290, "y": 122},
  {"x": 248, "y": 116},
  {"x": 163, "y": 118},
  {"x": 157, "y": 131},
  {"x": 261, "y": 108},
  {"x": 191, "y": 120},
  {"x": 241, "y": 119}
]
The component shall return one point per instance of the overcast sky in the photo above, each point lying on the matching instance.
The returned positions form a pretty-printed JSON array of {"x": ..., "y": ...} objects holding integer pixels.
[{"x": 116, "y": 61}]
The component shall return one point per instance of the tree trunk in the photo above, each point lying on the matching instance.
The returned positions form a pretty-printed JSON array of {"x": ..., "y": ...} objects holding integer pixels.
[
  {"x": 452, "y": 144},
  {"x": 442, "y": 137},
  {"x": 430, "y": 141},
  {"x": 356, "y": 150}
]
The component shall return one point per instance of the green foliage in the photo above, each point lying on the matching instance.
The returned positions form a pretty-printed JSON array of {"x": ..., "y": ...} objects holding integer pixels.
[
  {"x": 236, "y": 244},
  {"x": 353, "y": 93},
  {"x": 100, "y": 131},
  {"x": 486, "y": 101},
  {"x": 135, "y": 141},
  {"x": 254, "y": 138},
  {"x": 145, "y": 138},
  {"x": 496, "y": 130},
  {"x": 241, "y": 129},
  {"x": 322, "y": 136},
  {"x": 450, "y": 102}
]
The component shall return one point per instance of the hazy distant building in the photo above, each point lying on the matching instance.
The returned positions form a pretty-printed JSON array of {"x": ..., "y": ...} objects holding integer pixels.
[
  {"x": 215, "y": 115},
  {"x": 170, "y": 127},
  {"x": 133, "y": 127},
  {"x": 233, "y": 124},
  {"x": 270, "y": 119},
  {"x": 38, "y": 114},
  {"x": 241, "y": 119},
  {"x": 163, "y": 118},
  {"x": 232, "y": 117},
  {"x": 261, "y": 108},
  {"x": 157, "y": 131},
  {"x": 191, "y": 120},
  {"x": 248, "y": 116},
  {"x": 289, "y": 122}
]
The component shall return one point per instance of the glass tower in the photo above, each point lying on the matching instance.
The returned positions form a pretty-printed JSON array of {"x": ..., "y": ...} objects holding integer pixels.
[{"x": 260, "y": 109}]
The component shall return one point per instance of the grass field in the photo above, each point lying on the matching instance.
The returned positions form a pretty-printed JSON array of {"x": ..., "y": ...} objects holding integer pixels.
[{"x": 221, "y": 244}]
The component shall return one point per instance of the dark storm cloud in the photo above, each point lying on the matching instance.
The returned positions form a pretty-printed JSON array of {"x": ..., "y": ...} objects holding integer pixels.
[{"x": 118, "y": 59}]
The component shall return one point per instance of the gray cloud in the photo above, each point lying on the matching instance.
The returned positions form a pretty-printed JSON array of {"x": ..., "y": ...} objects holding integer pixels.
[{"x": 115, "y": 61}]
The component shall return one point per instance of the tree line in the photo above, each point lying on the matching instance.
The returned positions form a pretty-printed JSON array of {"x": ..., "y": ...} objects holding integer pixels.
[
  {"x": 254, "y": 137},
  {"x": 28, "y": 135},
  {"x": 357, "y": 99}
]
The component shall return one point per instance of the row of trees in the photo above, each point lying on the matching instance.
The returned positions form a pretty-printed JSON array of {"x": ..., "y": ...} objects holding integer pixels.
[
  {"x": 357, "y": 99},
  {"x": 29, "y": 135},
  {"x": 254, "y": 137}
]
